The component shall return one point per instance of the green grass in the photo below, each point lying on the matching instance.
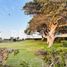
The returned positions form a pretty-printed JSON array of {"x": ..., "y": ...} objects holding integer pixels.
[{"x": 27, "y": 52}]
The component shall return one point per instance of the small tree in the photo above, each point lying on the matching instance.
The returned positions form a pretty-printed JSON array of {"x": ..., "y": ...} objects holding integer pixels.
[{"x": 48, "y": 17}]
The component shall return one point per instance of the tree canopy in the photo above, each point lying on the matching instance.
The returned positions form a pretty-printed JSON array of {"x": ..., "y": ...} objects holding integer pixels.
[{"x": 48, "y": 16}]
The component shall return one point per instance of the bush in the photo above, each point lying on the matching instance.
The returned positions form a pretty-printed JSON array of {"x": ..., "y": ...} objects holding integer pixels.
[{"x": 54, "y": 57}]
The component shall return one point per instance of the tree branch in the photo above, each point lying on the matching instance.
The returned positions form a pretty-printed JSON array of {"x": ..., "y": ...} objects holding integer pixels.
[{"x": 63, "y": 25}]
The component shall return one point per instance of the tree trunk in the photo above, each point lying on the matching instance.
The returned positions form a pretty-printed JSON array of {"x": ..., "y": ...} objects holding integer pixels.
[
  {"x": 51, "y": 35},
  {"x": 50, "y": 40},
  {"x": 43, "y": 36}
]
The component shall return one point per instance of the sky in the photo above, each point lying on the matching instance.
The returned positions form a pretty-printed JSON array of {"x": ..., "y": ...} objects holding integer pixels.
[{"x": 12, "y": 17}]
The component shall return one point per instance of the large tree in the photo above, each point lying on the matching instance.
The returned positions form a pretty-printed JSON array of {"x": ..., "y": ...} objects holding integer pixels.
[{"x": 48, "y": 17}]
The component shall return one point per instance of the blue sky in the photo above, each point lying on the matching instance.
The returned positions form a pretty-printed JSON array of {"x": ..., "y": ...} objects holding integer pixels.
[
  {"x": 13, "y": 21},
  {"x": 11, "y": 15}
]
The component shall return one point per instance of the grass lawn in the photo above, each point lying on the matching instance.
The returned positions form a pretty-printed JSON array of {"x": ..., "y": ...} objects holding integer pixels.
[{"x": 27, "y": 52}]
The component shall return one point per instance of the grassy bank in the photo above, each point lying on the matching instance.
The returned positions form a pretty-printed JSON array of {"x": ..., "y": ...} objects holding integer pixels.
[{"x": 27, "y": 52}]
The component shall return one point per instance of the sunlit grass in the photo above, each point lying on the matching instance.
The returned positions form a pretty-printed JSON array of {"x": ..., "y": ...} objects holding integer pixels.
[{"x": 27, "y": 52}]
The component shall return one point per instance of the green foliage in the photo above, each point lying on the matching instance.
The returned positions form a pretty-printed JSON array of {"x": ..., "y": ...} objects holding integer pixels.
[
  {"x": 56, "y": 58},
  {"x": 43, "y": 6}
]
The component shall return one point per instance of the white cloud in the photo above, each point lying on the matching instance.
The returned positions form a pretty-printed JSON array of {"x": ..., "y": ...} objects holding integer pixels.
[
  {"x": 13, "y": 33},
  {"x": 20, "y": 34}
]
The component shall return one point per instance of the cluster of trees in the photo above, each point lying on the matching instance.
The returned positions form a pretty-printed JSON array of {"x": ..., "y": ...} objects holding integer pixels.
[
  {"x": 49, "y": 18},
  {"x": 11, "y": 39}
]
